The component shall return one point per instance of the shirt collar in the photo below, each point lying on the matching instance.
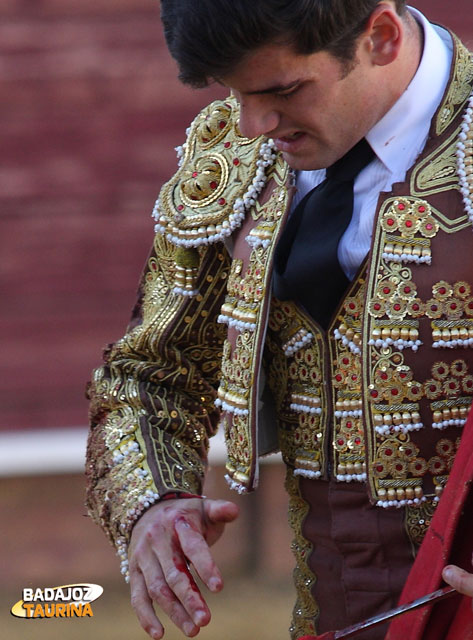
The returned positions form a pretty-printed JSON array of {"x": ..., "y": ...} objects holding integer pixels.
[{"x": 392, "y": 137}]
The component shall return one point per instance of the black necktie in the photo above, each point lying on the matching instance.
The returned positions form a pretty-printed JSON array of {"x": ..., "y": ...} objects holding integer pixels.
[{"x": 306, "y": 263}]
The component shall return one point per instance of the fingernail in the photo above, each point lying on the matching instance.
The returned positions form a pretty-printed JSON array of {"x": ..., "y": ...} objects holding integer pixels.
[
  {"x": 447, "y": 573},
  {"x": 155, "y": 634},
  {"x": 215, "y": 584},
  {"x": 188, "y": 628},
  {"x": 200, "y": 617}
]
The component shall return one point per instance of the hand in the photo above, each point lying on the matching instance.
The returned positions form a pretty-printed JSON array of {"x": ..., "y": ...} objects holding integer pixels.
[
  {"x": 459, "y": 579},
  {"x": 169, "y": 537}
]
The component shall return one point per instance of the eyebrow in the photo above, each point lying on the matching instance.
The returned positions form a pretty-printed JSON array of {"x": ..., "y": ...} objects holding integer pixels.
[{"x": 278, "y": 88}]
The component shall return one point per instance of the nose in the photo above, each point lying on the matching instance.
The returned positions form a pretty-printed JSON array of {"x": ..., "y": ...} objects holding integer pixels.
[{"x": 257, "y": 118}]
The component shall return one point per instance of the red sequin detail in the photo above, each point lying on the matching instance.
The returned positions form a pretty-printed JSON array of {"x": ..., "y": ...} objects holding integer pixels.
[{"x": 222, "y": 201}]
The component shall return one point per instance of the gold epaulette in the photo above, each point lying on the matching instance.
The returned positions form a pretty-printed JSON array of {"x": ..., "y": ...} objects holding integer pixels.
[{"x": 220, "y": 176}]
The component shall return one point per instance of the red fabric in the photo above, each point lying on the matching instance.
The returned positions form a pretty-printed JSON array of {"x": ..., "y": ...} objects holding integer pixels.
[{"x": 448, "y": 540}]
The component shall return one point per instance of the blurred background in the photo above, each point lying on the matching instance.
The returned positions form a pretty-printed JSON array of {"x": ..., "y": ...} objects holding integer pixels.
[{"x": 90, "y": 113}]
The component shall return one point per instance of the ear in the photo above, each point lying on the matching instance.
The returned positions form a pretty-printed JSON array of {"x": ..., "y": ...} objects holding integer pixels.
[{"x": 384, "y": 34}]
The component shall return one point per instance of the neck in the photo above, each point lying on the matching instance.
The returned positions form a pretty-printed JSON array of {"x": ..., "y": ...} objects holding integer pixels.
[{"x": 409, "y": 57}]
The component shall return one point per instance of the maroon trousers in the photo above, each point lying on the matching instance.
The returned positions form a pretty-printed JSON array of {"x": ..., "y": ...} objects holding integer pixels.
[{"x": 361, "y": 554}]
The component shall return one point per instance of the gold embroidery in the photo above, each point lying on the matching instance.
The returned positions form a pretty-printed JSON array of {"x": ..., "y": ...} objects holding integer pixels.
[
  {"x": 242, "y": 312},
  {"x": 297, "y": 352},
  {"x": 306, "y": 609},
  {"x": 459, "y": 88},
  {"x": 397, "y": 458},
  {"x": 451, "y": 311},
  {"x": 451, "y": 388},
  {"x": 409, "y": 226},
  {"x": 220, "y": 176},
  {"x": 206, "y": 173},
  {"x": 418, "y": 519},
  {"x": 437, "y": 172},
  {"x": 348, "y": 435}
]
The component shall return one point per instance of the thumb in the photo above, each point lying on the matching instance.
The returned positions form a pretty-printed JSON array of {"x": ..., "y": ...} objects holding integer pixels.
[
  {"x": 458, "y": 579},
  {"x": 220, "y": 511}
]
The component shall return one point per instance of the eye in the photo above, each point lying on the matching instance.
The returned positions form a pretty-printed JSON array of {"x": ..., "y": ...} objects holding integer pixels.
[{"x": 287, "y": 93}]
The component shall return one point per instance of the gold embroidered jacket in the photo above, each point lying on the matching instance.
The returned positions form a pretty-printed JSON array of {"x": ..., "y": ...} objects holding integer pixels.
[{"x": 381, "y": 397}]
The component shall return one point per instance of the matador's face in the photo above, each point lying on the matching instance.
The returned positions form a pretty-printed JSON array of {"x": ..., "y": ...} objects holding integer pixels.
[{"x": 311, "y": 105}]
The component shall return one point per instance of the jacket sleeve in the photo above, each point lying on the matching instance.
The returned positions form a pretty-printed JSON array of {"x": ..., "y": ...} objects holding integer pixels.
[{"x": 152, "y": 402}]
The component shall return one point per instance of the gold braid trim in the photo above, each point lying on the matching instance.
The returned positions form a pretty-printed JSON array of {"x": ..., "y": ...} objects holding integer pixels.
[
  {"x": 459, "y": 87},
  {"x": 306, "y": 610}
]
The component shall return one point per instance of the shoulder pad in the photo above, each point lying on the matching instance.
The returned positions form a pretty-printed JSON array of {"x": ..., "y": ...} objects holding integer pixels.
[{"x": 220, "y": 176}]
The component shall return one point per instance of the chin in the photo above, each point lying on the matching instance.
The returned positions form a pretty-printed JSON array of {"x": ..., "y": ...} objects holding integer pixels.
[{"x": 299, "y": 163}]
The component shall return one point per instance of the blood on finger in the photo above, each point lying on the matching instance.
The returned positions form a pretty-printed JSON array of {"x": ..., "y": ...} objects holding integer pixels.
[
  {"x": 190, "y": 525},
  {"x": 183, "y": 568}
]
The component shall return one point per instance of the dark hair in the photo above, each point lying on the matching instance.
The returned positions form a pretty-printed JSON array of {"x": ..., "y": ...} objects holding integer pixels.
[{"x": 208, "y": 38}]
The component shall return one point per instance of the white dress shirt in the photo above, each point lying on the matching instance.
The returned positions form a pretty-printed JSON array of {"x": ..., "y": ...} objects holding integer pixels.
[{"x": 397, "y": 139}]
